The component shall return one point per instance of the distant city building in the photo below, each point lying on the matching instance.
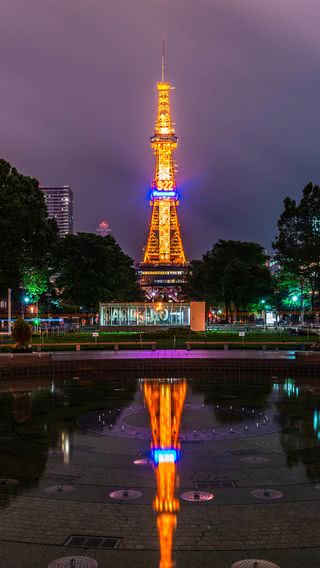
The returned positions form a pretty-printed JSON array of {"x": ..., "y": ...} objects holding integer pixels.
[
  {"x": 274, "y": 266},
  {"x": 103, "y": 229},
  {"x": 59, "y": 202}
]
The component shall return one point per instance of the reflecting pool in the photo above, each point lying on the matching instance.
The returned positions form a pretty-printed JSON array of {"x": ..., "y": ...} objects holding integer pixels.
[{"x": 171, "y": 471}]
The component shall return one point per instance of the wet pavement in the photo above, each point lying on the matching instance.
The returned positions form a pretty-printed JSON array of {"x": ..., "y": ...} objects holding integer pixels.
[{"x": 67, "y": 445}]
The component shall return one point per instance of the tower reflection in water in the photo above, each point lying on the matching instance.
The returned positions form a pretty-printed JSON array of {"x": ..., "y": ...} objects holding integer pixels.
[{"x": 165, "y": 400}]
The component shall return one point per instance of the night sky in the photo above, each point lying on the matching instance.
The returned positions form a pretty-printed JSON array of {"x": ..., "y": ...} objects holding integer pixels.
[{"x": 78, "y": 103}]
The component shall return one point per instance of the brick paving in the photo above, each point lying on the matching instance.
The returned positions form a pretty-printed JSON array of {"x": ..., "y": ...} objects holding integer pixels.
[
  {"x": 233, "y": 526},
  {"x": 216, "y": 526}
]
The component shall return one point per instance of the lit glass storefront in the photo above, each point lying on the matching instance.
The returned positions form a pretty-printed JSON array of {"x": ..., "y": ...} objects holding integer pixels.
[{"x": 142, "y": 314}]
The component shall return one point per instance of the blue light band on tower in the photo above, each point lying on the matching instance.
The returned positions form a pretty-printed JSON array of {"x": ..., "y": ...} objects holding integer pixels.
[{"x": 167, "y": 455}]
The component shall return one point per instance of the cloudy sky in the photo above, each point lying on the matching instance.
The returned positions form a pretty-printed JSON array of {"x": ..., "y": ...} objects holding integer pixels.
[{"x": 78, "y": 102}]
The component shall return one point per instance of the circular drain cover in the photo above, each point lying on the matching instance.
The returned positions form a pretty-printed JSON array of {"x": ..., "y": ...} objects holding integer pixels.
[
  {"x": 59, "y": 489},
  {"x": 267, "y": 494},
  {"x": 125, "y": 494},
  {"x": 6, "y": 482},
  {"x": 254, "y": 564},
  {"x": 255, "y": 459},
  {"x": 74, "y": 562},
  {"x": 196, "y": 496}
]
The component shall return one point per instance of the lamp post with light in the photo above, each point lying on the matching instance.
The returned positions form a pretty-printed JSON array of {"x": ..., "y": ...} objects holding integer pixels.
[
  {"x": 25, "y": 302},
  {"x": 263, "y": 311}
]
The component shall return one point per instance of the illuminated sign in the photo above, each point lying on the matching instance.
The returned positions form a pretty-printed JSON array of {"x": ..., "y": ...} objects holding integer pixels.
[
  {"x": 165, "y": 184},
  {"x": 144, "y": 314},
  {"x": 164, "y": 194}
]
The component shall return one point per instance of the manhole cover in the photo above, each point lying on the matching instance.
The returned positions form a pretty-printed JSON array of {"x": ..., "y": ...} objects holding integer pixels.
[
  {"x": 267, "y": 494},
  {"x": 197, "y": 496},
  {"x": 59, "y": 489},
  {"x": 6, "y": 482},
  {"x": 255, "y": 459},
  {"x": 74, "y": 562},
  {"x": 254, "y": 564},
  {"x": 125, "y": 494}
]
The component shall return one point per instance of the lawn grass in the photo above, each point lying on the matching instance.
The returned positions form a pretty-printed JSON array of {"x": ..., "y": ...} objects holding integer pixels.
[
  {"x": 169, "y": 339},
  {"x": 168, "y": 336}
]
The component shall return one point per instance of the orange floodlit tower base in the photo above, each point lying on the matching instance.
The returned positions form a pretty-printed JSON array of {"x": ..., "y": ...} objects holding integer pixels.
[
  {"x": 164, "y": 254},
  {"x": 165, "y": 400}
]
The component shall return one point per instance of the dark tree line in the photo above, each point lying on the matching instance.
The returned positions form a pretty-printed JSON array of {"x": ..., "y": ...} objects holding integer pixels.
[
  {"x": 233, "y": 274},
  {"x": 92, "y": 269},
  {"x": 83, "y": 269},
  {"x": 297, "y": 245},
  {"x": 27, "y": 236}
]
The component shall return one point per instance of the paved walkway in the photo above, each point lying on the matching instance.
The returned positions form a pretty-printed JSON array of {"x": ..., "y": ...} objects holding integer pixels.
[{"x": 35, "y": 522}]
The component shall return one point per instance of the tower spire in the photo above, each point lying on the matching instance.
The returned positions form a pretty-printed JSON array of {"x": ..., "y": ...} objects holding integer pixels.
[
  {"x": 164, "y": 265},
  {"x": 164, "y": 246},
  {"x": 163, "y": 63}
]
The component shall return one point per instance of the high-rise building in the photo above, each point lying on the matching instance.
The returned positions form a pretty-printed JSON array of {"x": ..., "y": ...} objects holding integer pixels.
[
  {"x": 164, "y": 263},
  {"x": 59, "y": 202},
  {"x": 103, "y": 229}
]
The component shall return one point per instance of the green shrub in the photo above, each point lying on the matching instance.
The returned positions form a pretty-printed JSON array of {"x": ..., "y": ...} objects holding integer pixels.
[{"x": 21, "y": 332}]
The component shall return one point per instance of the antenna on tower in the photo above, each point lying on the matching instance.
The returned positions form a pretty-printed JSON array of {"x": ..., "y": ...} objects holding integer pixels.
[{"x": 163, "y": 64}]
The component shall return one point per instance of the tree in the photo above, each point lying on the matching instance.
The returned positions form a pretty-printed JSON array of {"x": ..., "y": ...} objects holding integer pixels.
[
  {"x": 288, "y": 293},
  {"x": 27, "y": 235},
  {"x": 21, "y": 332},
  {"x": 298, "y": 242},
  {"x": 94, "y": 269},
  {"x": 233, "y": 274},
  {"x": 35, "y": 281}
]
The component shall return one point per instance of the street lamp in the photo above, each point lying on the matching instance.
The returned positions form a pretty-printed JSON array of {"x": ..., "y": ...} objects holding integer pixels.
[
  {"x": 293, "y": 300},
  {"x": 24, "y": 302},
  {"x": 264, "y": 314}
]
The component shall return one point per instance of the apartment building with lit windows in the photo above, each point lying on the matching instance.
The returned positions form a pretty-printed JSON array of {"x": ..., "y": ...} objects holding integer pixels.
[{"x": 59, "y": 202}]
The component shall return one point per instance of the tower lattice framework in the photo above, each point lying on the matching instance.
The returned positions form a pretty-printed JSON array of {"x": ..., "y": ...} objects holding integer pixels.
[{"x": 164, "y": 244}]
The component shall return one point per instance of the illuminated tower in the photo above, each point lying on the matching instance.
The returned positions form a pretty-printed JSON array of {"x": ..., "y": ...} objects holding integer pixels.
[
  {"x": 165, "y": 400},
  {"x": 164, "y": 256},
  {"x": 103, "y": 229}
]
